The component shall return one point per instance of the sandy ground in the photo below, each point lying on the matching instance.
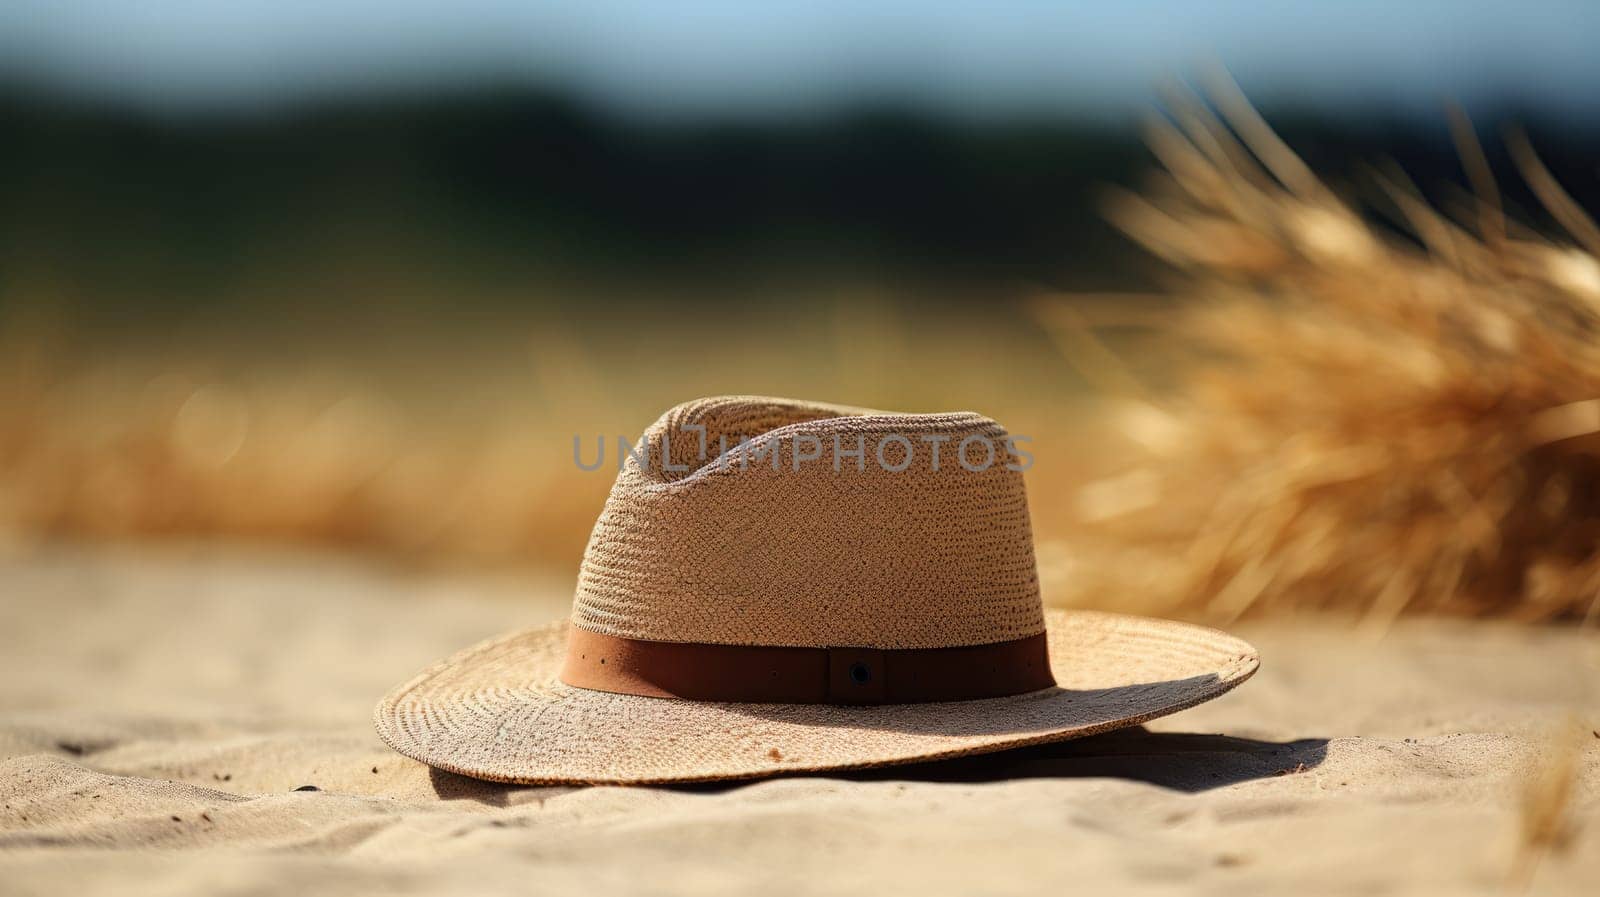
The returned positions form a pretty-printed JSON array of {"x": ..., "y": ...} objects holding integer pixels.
[{"x": 160, "y": 714}]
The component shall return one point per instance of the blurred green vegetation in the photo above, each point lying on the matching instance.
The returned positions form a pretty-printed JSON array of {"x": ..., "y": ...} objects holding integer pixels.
[{"x": 482, "y": 202}]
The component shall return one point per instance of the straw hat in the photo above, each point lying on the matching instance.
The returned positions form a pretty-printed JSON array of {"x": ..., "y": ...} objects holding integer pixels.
[{"x": 779, "y": 586}]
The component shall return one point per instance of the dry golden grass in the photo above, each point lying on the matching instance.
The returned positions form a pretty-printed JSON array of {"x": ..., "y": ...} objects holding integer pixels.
[
  {"x": 1547, "y": 824},
  {"x": 119, "y": 450},
  {"x": 473, "y": 464},
  {"x": 1360, "y": 421},
  {"x": 1341, "y": 418}
]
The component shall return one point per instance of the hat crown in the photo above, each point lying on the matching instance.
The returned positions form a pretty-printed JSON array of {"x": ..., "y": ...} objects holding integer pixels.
[{"x": 758, "y": 521}]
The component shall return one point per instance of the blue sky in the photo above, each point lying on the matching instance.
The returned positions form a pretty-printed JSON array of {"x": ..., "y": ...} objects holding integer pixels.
[{"x": 686, "y": 57}]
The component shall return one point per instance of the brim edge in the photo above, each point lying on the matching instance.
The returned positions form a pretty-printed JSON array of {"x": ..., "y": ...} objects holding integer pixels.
[{"x": 386, "y": 711}]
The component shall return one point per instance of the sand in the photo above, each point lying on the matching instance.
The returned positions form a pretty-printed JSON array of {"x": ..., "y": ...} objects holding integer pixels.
[{"x": 163, "y": 715}]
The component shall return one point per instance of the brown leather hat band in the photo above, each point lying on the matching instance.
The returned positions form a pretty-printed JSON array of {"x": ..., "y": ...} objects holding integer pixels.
[{"x": 783, "y": 675}]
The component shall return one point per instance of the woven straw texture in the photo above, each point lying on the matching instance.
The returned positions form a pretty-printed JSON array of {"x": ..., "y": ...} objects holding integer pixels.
[
  {"x": 751, "y": 531},
  {"x": 835, "y": 550},
  {"x": 496, "y": 711}
]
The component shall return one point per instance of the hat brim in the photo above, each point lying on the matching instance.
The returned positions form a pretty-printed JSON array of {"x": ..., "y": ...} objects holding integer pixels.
[{"x": 497, "y": 711}]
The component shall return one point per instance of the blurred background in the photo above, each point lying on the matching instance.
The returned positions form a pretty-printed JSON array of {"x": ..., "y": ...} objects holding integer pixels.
[{"x": 354, "y": 274}]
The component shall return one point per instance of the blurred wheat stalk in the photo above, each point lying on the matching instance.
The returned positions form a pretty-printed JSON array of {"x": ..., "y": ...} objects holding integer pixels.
[{"x": 1369, "y": 422}]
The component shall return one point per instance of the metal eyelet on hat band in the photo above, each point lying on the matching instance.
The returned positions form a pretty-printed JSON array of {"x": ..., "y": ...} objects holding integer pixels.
[{"x": 860, "y": 673}]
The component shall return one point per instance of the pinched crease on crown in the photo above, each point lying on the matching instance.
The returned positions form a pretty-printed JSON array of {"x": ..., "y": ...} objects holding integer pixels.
[
  {"x": 709, "y": 433},
  {"x": 813, "y": 554},
  {"x": 730, "y": 432}
]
